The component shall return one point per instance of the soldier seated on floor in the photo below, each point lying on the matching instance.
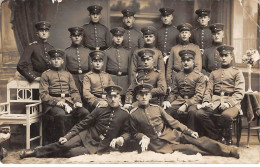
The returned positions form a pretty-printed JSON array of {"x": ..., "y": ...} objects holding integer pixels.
[
  {"x": 157, "y": 131},
  {"x": 4, "y": 135},
  {"x": 60, "y": 95},
  {"x": 95, "y": 81},
  {"x": 100, "y": 132}
]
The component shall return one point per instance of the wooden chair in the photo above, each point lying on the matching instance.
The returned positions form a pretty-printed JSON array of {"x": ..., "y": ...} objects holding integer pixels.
[{"x": 19, "y": 91}]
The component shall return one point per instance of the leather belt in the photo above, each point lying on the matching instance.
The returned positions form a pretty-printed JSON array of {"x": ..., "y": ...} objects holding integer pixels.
[
  {"x": 100, "y": 48},
  {"x": 60, "y": 95},
  {"x": 119, "y": 73},
  {"x": 79, "y": 72},
  {"x": 225, "y": 94}
]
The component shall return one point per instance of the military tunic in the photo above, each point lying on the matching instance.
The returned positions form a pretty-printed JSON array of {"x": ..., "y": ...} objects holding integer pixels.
[
  {"x": 117, "y": 64},
  {"x": 94, "y": 83},
  {"x": 35, "y": 60},
  {"x": 53, "y": 83},
  {"x": 132, "y": 38},
  {"x": 229, "y": 80},
  {"x": 96, "y": 35},
  {"x": 77, "y": 63},
  {"x": 153, "y": 77},
  {"x": 174, "y": 63},
  {"x": 93, "y": 134},
  {"x": 158, "y": 62},
  {"x": 168, "y": 135},
  {"x": 202, "y": 36},
  {"x": 167, "y": 38},
  {"x": 211, "y": 59}
]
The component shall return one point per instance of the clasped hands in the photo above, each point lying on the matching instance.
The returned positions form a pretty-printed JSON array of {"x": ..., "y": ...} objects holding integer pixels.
[
  {"x": 181, "y": 110},
  {"x": 67, "y": 108},
  {"x": 117, "y": 141},
  {"x": 223, "y": 106}
]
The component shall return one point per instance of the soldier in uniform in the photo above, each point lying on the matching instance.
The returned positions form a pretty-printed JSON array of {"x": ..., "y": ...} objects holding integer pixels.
[
  {"x": 149, "y": 39},
  {"x": 117, "y": 61},
  {"x": 167, "y": 34},
  {"x": 95, "y": 81},
  {"x": 132, "y": 37},
  {"x": 202, "y": 35},
  {"x": 174, "y": 63},
  {"x": 147, "y": 75},
  {"x": 188, "y": 90},
  {"x": 59, "y": 94},
  {"x": 96, "y": 35},
  {"x": 4, "y": 135},
  {"x": 77, "y": 57},
  {"x": 101, "y": 131},
  {"x": 224, "y": 92},
  {"x": 157, "y": 131},
  {"x": 210, "y": 58},
  {"x": 35, "y": 59}
]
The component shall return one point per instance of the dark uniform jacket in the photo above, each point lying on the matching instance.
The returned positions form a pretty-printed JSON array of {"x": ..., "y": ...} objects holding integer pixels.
[
  {"x": 174, "y": 62},
  {"x": 132, "y": 38},
  {"x": 117, "y": 64},
  {"x": 34, "y": 60},
  {"x": 101, "y": 126},
  {"x": 93, "y": 86},
  {"x": 57, "y": 82},
  {"x": 166, "y": 38},
  {"x": 161, "y": 128},
  {"x": 188, "y": 87},
  {"x": 96, "y": 35},
  {"x": 77, "y": 63},
  {"x": 210, "y": 59},
  {"x": 229, "y": 80},
  {"x": 151, "y": 76},
  {"x": 202, "y": 36},
  {"x": 158, "y": 62}
]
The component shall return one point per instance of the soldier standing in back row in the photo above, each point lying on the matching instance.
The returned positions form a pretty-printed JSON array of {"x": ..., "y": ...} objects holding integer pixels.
[
  {"x": 35, "y": 59},
  {"x": 117, "y": 60},
  {"x": 77, "y": 57},
  {"x": 167, "y": 34},
  {"x": 96, "y": 36},
  {"x": 132, "y": 37},
  {"x": 211, "y": 59},
  {"x": 202, "y": 35}
]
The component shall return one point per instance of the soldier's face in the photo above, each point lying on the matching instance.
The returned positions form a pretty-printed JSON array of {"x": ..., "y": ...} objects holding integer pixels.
[
  {"x": 76, "y": 39},
  {"x": 203, "y": 20},
  {"x": 113, "y": 100},
  {"x": 97, "y": 64},
  {"x": 187, "y": 63},
  {"x": 143, "y": 97},
  {"x": 43, "y": 34},
  {"x": 95, "y": 17},
  {"x": 118, "y": 39},
  {"x": 185, "y": 35},
  {"x": 226, "y": 59},
  {"x": 147, "y": 63},
  {"x": 149, "y": 39},
  {"x": 57, "y": 62},
  {"x": 129, "y": 21},
  {"x": 218, "y": 36},
  {"x": 167, "y": 19}
]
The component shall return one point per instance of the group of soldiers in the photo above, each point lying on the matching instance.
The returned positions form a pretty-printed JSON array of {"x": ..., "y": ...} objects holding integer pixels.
[{"x": 158, "y": 87}]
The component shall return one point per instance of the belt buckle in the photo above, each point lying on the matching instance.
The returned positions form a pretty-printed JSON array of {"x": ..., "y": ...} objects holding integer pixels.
[
  {"x": 101, "y": 137},
  {"x": 186, "y": 97},
  {"x": 62, "y": 95},
  {"x": 159, "y": 134},
  {"x": 119, "y": 73},
  {"x": 103, "y": 96},
  {"x": 80, "y": 71},
  {"x": 222, "y": 93}
]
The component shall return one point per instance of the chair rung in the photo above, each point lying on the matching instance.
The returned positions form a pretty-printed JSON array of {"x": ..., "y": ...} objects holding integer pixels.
[
  {"x": 253, "y": 127},
  {"x": 34, "y": 138}
]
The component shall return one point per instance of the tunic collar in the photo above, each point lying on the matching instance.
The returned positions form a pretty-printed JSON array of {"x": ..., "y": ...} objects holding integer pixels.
[
  {"x": 96, "y": 71},
  {"x": 217, "y": 44},
  {"x": 128, "y": 28},
  {"x": 76, "y": 46},
  {"x": 149, "y": 45},
  {"x": 203, "y": 27},
  {"x": 187, "y": 71},
  {"x": 167, "y": 25},
  {"x": 91, "y": 22},
  {"x": 41, "y": 41},
  {"x": 143, "y": 106},
  {"x": 116, "y": 46},
  {"x": 184, "y": 42},
  {"x": 226, "y": 66}
]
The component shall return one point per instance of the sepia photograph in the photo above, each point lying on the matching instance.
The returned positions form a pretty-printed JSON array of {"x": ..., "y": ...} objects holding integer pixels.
[{"x": 130, "y": 82}]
